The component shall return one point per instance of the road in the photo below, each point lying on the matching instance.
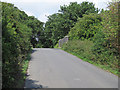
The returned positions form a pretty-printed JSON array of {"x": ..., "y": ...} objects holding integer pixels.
[{"x": 55, "y": 68}]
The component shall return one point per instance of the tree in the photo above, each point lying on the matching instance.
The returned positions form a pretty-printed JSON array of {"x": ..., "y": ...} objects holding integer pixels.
[
  {"x": 59, "y": 24},
  {"x": 86, "y": 27},
  {"x": 37, "y": 39},
  {"x": 17, "y": 30},
  {"x": 75, "y": 10},
  {"x": 106, "y": 45}
]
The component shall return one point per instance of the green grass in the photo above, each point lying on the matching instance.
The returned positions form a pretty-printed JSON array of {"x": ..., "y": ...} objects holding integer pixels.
[
  {"x": 75, "y": 48},
  {"x": 56, "y": 46},
  {"x": 25, "y": 64},
  {"x": 104, "y": 67},
  {"x": 84, "y": 49}
]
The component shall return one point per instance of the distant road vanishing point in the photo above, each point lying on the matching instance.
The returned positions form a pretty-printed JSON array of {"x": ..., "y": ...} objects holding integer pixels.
[{"x": 55, "y": 68}]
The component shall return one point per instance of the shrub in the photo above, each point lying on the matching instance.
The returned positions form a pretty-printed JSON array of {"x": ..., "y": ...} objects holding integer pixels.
[
  {"x": 82, "y": 48},
  {"x": 86, "y": 27},
  {"x": 106, "y": 40}
]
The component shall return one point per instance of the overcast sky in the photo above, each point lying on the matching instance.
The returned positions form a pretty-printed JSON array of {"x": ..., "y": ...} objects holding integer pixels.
[{"x": 42, "y": 8}]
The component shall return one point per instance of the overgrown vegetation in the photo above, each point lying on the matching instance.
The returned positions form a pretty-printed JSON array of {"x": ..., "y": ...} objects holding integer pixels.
[
  {"x": 18, "y": 36},
  {"x": 93, "y": 37},
  {"x": 100, "y": 31},
  {"x": 24, "y": 67},
  {"x": 86, "y": 27},
  {"x": 82, "y": 48},
  {"x": 59, "y": 24}
]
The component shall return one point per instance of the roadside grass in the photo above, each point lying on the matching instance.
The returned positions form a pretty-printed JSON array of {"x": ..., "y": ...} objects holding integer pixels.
[
  {"x": 82, "y": 49},
  {"x": 56, "y": 46},
  {"x": 24, "y": 67},
  {"x": 104, "y": 67}
]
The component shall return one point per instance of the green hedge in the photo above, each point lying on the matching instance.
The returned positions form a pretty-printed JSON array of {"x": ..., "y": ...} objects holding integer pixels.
[{"x": 16, "y": 44}]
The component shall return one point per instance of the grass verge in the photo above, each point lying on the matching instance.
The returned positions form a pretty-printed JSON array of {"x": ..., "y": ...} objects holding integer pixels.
[
  {"x": 104, "y": 67},
  {"x": 24, "y": 68}
]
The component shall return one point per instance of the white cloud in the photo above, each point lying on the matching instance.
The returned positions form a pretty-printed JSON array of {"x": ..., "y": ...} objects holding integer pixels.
[
  {"x": 45, "y": 1},
  {"x": 43, "y": 16},
  {"x": 49, "y": 1},
  {"x": 54, "y": 1},
  {"x": 42, "y": 8},
  {"x": 61, "y": 2},
  {"x": 29, "y": 13},
  {"x": 101, "y": 3}
]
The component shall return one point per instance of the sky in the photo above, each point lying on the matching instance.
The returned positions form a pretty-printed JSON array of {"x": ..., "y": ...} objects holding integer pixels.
[{"x": 43, "y": 8}]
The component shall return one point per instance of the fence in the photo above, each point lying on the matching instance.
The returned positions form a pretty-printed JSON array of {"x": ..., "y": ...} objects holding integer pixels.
[{"x": 64, "y": 40}]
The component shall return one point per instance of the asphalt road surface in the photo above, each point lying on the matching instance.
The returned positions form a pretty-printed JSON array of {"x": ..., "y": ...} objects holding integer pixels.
[{"x": 55, "y": 68}]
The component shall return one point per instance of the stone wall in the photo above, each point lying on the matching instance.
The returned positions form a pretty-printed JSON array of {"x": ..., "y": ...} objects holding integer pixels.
[{"x": 64, "y": 40}]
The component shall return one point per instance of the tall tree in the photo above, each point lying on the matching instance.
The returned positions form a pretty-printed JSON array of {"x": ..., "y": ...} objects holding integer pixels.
[
  {"x": 86, "y": 27},
  {"x": 17, "y": 30},
  {"x": 37, "y": 31},
  {"x": 59, "y": 24}
]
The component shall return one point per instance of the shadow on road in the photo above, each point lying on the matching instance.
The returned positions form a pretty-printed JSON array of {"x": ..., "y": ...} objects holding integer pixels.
[{"x": 32, "y": 84}]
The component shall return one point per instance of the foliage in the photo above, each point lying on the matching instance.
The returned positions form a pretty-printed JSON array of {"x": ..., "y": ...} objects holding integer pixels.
[
  {"x": 88, "y": 55},
  {"x": 56, "y": 46},
  {"x": 86, "y": 27},
  {"x": 93, "y": 36},
  {"x": 102, "y": 30},
  {"x": 82, "y": 48},
  {"x": 37, "y": 31},
  {"x": 74, "y": 10},
  {"x": 16, "y": 42},
  {"x": 59, "y": 24},
  {"x": 106, "y": 40}
]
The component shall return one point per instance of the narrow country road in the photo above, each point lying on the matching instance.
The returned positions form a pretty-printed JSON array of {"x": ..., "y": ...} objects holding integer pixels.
[{"x": 55, "y": 68}]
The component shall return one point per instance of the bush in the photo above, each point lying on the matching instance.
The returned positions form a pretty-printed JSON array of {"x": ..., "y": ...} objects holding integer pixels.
[
  {"x": 103, "y": 30},
  {"x": 105, "y": 52},
  {"x": 82, "y": 48},
  {"x": 86, "y": 27},
  {"x": 106, "y": 40},
  {"x": 15, "y": 44},
  {"x": 56, "y": 46}
]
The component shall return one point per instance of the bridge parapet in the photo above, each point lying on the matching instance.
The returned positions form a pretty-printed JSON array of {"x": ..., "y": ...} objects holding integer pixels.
[{"x": 64, "y": 40}]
